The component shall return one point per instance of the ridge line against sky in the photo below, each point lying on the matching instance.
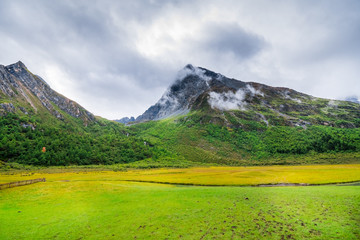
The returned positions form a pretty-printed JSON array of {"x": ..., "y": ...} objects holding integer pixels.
[{"x": 116, "y": 58}]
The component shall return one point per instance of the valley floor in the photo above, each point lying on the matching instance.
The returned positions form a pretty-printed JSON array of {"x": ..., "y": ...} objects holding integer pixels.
[{"x": 103, "y": 205}]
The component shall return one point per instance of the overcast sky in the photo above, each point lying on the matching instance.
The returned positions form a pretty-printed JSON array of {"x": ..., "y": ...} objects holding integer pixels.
[{"x": 116, "y": 58}]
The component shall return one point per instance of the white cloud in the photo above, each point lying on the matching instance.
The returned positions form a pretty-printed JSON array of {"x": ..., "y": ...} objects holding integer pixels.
[
  {"x": 227, "y": 100},
  {"x": 191, "y": 70},
  {"x": 254, "y": 91}
]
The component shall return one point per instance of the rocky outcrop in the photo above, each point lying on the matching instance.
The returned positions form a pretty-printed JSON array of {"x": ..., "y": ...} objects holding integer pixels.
[
  {"x": 16, "y": 81},
  {"x": 5, "y": 108}
]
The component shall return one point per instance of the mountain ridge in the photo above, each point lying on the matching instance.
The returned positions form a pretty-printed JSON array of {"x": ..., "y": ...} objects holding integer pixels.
[
  {"x": 197, "y": 88},
  {"x": 17, "y": 83},
  {"x": 204, "y": 117},
  {"x": 39, "y": 126}
]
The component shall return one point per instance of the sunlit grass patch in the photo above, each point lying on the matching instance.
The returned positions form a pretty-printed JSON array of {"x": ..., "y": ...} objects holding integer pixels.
[
  {"x": 316, "y": 174},
  {"x": 312, "y": 174}
]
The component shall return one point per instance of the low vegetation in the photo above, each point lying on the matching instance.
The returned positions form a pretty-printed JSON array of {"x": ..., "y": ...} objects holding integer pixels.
[
  {"x": 32, "y": 141},
  {"x": 98, "y": 205},
  {"x": 212, "y": 176},
  {"x": 197, "y": 139},
  {"x": 242, "y": 176}
]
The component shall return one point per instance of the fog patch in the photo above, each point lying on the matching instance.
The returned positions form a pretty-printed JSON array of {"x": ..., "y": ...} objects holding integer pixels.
[
  {"x": 168, "y": 99},
  {"x": 287, "y": 96},
  {"x": 228, "y": 100},
  {"x": 254, "y": 91},
  {"x": 333, "y": 103},
  {"x": 190, "y": 70},
  {"x": 263, "y": 118}
]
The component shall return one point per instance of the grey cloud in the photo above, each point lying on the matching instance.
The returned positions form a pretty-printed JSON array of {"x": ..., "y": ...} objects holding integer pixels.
[
  {"x": 90, "y": 41},
  {"x": 230, "y": 38},
  {"x": 94, "y": 43},
  {"x": 338, "y": 25}
]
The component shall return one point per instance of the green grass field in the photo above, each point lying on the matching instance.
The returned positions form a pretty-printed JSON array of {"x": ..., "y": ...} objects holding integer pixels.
[{"x": 100, "y": 205}]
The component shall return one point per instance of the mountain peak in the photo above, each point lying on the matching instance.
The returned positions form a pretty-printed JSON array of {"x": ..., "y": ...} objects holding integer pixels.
[
  {"x": 189, "y": 66},
  {"x": 180, "y": 97},
  {"x": 18, "y": 65},
  {"x": 190, "y": 70},
  {"x": 197, "y": 88},
  {"x": 19, "y": 85}
]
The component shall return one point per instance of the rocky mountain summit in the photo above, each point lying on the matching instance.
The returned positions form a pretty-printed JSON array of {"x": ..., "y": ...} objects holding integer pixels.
[
  {"x": 23, "y": 91},
  {"x": 199, "y": 89}
]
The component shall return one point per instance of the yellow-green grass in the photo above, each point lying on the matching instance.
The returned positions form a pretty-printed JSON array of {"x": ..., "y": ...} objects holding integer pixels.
[
  {"x": 17, "y": 177},
  {"x": 98, "y": 206},
  {"x": 314, "y": 174}
]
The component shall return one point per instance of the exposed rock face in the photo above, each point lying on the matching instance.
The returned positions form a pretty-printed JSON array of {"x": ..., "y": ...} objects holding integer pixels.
[
  {"x": 197, "y": 88},
  {"x": 17, "y": 82},
  {"x": 180, "y": 96},
  {"x": 8, "y": 107}
]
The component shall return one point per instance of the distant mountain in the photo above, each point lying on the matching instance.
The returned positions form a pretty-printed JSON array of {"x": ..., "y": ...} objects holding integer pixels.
[
  {"x": 23, "y": 91},
  {"x": 125, "y": 120},
  {"x": 199, "y": 89},
  {"x": 352, "y": 99}
]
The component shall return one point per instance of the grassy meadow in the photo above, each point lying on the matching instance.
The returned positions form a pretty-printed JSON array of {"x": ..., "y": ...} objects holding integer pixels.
[
  {"x": 243, "y": 176},
  {"x": 210, "y": 176},
  {"x": 108, "y": 205}
]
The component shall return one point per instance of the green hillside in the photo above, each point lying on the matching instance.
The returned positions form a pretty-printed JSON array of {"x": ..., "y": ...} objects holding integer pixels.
[
  {"x": 200, "y": 137},
  {"x": 39, "y": 126},
  {"x": 102, "y": 142}
]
